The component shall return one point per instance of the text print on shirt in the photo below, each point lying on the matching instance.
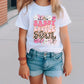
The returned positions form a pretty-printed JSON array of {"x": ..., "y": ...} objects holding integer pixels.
[{"x": 44, "y": 28}]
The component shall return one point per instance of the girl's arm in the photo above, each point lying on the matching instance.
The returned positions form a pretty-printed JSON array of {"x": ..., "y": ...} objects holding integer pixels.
[
  {"x": 22, "y": 43},
  {"x": 67, "y": 50},
  {"x": 23, "y": 70},
  {"x": 66, "y": 42}
]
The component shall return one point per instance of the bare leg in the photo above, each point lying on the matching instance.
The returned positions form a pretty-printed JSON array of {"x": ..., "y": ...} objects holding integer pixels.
[
  {"x": 36, "y": 80},
  {"x": 54, "y": 80}
]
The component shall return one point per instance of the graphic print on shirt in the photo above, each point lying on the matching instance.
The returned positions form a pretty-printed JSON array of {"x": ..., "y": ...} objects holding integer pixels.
[{"x": 44, "y": 28}]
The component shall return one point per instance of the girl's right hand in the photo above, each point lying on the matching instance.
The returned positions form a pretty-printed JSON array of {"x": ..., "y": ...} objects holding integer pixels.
[{"x": 24, "y": 71}]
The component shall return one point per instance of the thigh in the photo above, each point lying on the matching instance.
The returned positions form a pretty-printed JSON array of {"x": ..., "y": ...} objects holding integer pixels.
[
  {"x": 36, "y": 79},
  {"x": 54, "y": 66},
  {"x": 54, "y": 71},
  {"x": 34, "y": 64},
  {"x": 54, "y": 80}
]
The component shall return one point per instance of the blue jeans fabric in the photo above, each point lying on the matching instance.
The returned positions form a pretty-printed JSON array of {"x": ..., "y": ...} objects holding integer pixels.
[{"x": 49, "y": 63}]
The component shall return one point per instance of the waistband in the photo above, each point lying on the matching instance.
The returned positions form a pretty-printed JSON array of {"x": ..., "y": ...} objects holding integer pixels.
[{"x": 45, "y": 53}]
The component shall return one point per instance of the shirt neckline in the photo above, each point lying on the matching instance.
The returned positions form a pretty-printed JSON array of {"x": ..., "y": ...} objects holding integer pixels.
[{"x": 41, "y": 7}]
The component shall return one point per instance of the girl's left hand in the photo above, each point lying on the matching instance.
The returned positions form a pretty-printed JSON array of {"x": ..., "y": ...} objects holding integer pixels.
[{"x": 67, "y": 67}]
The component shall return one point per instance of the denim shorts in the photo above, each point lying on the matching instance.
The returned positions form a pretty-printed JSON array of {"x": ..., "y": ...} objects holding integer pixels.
[{"x": 48, "y": 63}]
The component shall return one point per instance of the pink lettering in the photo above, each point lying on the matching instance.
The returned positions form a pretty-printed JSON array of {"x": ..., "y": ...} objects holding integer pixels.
[
  {"x": 49, "y": 22},
  {"x": 35, "y": 22},
  {"x": 53, "y": 22}
]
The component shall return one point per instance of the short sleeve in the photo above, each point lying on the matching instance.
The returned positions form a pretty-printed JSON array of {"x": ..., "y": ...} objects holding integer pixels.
[
  {"x": 65, "y": 20},
  {"x": 22, "y": 20}
]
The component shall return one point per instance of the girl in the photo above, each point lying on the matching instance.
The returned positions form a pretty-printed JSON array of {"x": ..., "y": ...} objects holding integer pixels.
[{"x": 43, "y": 37}]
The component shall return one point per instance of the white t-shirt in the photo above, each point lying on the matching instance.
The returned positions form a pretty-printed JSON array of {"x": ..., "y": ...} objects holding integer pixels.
[{"x": 43, "y": 27}]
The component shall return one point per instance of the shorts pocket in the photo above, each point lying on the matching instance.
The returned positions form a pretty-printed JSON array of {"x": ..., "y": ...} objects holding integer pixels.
[
  {"x": 58, "y": 57},
  {"x": 29, "y": 56}
]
